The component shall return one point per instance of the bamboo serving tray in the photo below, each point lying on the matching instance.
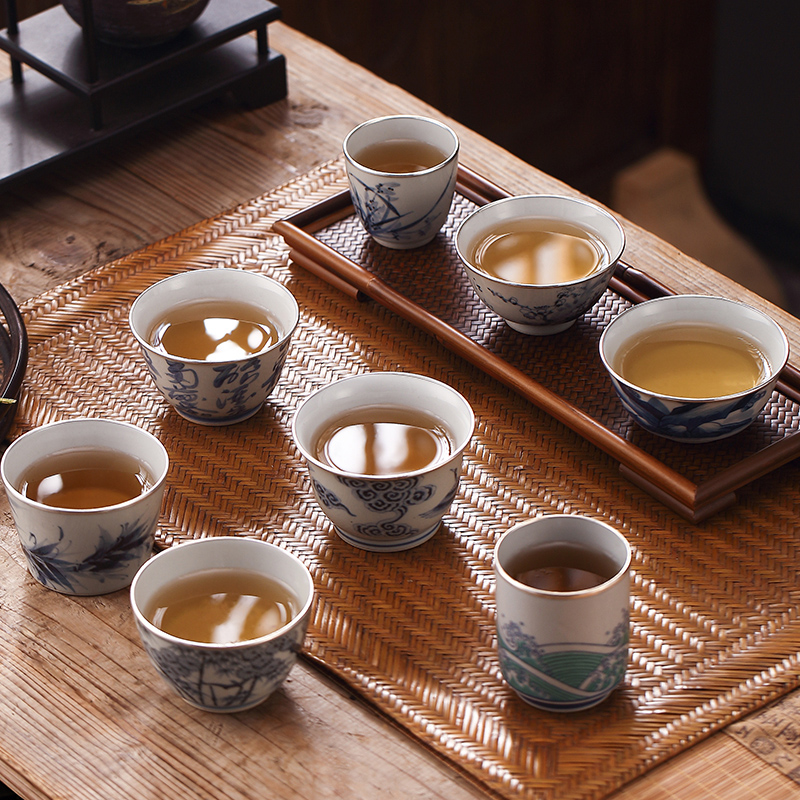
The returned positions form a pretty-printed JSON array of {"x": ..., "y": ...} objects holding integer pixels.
[
  {"x": 714, "y": 626},
  {"x": 561, "y": 374}
]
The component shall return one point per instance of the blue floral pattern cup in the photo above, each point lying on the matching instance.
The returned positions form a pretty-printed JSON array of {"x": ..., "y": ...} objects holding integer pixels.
[
  {"x": 215, "y": 392},
  {"x": 695, "y": 420},
  {"x": 562, "y": 651},
  {"x": 85, "y": 551},
  {"x": 402, "y": 210},
  {"x": 223, "y": 677},
  {"x": 385, "y": 512},
  {"x": 540, "y": 309}
]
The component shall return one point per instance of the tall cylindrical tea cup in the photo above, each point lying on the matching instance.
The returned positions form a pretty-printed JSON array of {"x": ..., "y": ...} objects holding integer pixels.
[
  {"x": 562, "y": 594},
  {"x": 402, "y": 173}
]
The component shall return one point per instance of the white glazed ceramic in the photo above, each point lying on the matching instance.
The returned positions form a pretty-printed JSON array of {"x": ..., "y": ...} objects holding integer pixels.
[
  {"x": 402, "y": 210},
  {"x": 384, "y": 513},
  {"x": 563, "y": 651},
  {"x": 215, "y": 392},
  {"x": 540, "y": 309},
  {"x": 695, "y": 420},
  {"x": 93, "y": 551},
  {"x": 223, "y": 677}
]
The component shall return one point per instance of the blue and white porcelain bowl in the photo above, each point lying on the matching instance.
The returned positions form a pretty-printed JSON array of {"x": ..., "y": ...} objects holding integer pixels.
[
  {"x": 393, "y": 512},
  {"x": 686, "y": 419},
  {"x": 215, "y": 392},
  {"x": 402, "y": 210},
  {"x": 538, "y": 309},
  {"x": 85, "y": 551},
  {"x": 223, "y": 677}
]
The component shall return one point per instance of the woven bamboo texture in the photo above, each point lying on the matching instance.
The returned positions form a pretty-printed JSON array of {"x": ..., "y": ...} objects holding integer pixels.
[{"x": 714, "y": 623}]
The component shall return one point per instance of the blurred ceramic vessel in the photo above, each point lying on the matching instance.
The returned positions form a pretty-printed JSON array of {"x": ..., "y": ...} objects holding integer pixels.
[
  {"x": 138, "y": 23},
  {"x": 215, "y": 392},
  {"x": 695, "y": 419},
  {"x": 85, "y": 551},
  {"x": 223, "y": 677},
  {"x": 540, "y": 309},
  {"x": 385, "y": 512},
  {"x": 402, "y": 210}
]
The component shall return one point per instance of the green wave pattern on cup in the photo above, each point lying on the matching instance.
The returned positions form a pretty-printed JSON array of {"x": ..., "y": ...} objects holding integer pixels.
[{"x": 561, "y": 676}]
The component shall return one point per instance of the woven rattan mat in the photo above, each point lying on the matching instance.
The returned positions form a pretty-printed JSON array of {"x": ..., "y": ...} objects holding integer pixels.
[{"x": 714, "y": 619}]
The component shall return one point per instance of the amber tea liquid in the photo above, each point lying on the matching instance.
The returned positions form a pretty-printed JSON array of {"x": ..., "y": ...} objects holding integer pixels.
[
  {"x": 562, "y": 567},
  {"x": 400, "y": 156},
  {"x": 222, "y": 606},
  {"x": 539, "y": 252},
  {"x": 383, "y": 441},
  {"x": 214, "y": 330},
  {"x": 692, "y": 361},
  {"x": 85, "y": 479}
]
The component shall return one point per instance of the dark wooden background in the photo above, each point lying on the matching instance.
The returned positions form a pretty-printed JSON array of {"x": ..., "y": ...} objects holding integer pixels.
[{"x": 578, "y": 88}]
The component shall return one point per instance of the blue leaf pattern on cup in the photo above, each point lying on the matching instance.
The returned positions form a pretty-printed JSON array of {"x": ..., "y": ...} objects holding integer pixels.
[
  {"x": 54, "y": 566},
  {"x": 694, "y": 421},
  {"x": 380, "y": 217},
  {"x": 223, "y": 679}
]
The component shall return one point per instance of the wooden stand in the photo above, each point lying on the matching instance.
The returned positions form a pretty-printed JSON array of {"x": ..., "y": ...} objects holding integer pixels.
[{"x": 81, "y": 92}]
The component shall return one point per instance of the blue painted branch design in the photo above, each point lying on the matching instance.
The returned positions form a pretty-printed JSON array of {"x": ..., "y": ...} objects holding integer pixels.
[
  {"x": 55, "y": 567},
  {"x": 376, "y": 206},
  {"x": 221, "y": 678}
]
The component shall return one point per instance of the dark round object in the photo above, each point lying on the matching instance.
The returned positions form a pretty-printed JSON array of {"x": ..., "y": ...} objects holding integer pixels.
[{"x": 138, "y": 23}]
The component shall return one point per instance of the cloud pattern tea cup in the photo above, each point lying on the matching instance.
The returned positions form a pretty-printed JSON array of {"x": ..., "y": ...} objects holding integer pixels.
[{"x": 384, "y": 512}]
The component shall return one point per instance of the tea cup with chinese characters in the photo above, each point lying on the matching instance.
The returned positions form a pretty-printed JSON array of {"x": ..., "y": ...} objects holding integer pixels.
[
  {"x": 384, "y": 452},
  {"x": 215, "y": 340},
  {"x": 85, "y": 495},
  {"x": 540, "y": 261},
  {"x": 228, "y": 672}
]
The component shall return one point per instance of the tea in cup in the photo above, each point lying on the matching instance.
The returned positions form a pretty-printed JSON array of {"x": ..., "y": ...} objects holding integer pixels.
[
  {"x": 384, "y": 453},
  {"x": 402, "y": 172},
  {"x": 215, "y": 340},
  {"x": 694, "y": 368},
  {"x": 85, "y": 495},
  {"x": 223, "y": 619},
  {"x": 562, "y": 594},
  {"x": 540, "y": 261}
]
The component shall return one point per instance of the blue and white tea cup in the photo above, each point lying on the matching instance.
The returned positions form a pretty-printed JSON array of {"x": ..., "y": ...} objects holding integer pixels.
[
  {"x": 223, "y": 677},
  {"x": 219, "y": 392},
  {"x": 562, "y": 650},
  {"x": 391, "y": 512},
  {"x": 402, "y": 210},
  {"x": 546, "y": 308},
  {"x": 695, "y": 419},
  {"x": 85, "y": 551}
]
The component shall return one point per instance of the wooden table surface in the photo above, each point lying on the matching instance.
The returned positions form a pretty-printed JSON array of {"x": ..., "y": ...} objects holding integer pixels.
[{"x": 318, "y": 739}]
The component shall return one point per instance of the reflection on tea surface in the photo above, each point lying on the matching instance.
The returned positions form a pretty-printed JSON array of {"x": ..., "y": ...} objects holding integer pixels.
[
  {"x": 539, "y": 252},
  {"x": 222, "y": 606},
  {"x": 85, "y": 478},
  {"x": 211, "y": 330},
  {"x": 562, "y": 567},
  {"x": 383, "y": 441}
]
